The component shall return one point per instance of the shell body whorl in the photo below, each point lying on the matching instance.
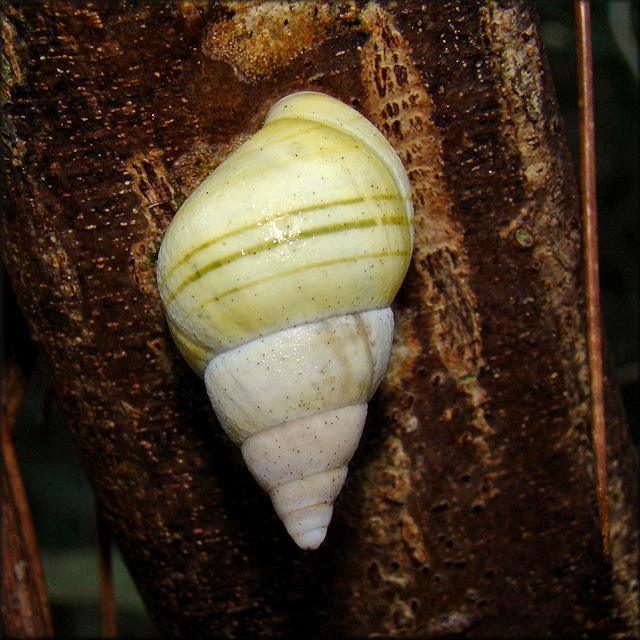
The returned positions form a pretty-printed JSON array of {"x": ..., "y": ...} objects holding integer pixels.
[
  {"x": 276, "y": 277},
  {"x": 260, "y": 245}
]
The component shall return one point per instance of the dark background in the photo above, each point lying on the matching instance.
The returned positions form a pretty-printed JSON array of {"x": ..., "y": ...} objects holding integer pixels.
[{"x": 59, "y": 495}]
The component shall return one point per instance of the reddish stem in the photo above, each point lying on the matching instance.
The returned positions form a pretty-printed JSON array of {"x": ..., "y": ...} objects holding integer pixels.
[
  {"x": 25, "y": 603},
  {"x": 590, "y": 242}
]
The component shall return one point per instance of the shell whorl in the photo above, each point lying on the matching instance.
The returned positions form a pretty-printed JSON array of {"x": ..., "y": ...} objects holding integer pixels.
[
  {"x": 302, "y": 465},
  {"x": 310, "y": 218},
  {"x": 276, "y": 276},
  {"x": 295, "y": 402}
]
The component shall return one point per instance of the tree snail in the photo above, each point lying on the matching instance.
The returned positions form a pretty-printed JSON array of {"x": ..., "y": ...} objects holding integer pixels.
[{"x": 276, "y": 276}]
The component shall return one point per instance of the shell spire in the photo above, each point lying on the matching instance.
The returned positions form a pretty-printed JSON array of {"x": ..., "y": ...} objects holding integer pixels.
[
  {"x": 276, "y": 277},
  {"x": 304, "y": 489}
]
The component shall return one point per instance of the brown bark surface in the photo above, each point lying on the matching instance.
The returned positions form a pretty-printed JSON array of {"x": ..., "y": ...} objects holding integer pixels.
[{"x": 470, "y": 505}]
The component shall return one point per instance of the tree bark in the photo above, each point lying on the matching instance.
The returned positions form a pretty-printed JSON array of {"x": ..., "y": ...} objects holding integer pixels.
[{"x": 470, "y": 505}]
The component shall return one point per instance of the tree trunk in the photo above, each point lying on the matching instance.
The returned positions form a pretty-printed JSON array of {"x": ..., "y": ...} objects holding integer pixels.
[{"x": 470, "y": 505}]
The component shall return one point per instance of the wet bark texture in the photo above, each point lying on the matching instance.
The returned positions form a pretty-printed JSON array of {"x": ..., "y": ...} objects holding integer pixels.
[{"x": 470, "y": 505}]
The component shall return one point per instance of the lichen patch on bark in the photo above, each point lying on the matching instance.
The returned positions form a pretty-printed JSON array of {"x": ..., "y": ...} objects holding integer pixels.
[
  {"x": 11, "y": 70},
  {"x": 396, "y": 536},
  {"x": 624, "y": 553},
  {"x": 157, "y": 197},
  {"x": 405, "y": 351},
  {"x": 399, "y": 104},
  {"x": 277, "y": 31}
]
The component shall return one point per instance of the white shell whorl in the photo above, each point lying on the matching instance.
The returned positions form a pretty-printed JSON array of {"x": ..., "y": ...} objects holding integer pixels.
[
  {"x": 302, "y": 465},
  {"x": 295, "y": 402}
]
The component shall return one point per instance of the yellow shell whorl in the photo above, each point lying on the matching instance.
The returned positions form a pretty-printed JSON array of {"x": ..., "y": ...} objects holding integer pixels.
[{"x": 310, "y": 218}]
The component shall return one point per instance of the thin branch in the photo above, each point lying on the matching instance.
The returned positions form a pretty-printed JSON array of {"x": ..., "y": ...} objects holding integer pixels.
[
  {"x": 590, "y": 242},
  {"x": 25, "y": 603}
]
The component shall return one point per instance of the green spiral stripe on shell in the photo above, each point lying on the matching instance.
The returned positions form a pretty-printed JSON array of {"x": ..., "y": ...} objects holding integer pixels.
[
  {"x": 310, "y": 218},
  {"x": 268, "y": 244},
  {"x": 280, "y": 216},
  {"x": 298, "y": 270},
  {"x": 269, "y": 279}
]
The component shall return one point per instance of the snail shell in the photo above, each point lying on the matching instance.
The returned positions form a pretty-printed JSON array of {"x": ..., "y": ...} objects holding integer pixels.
[{"x": 276, "y": 277}]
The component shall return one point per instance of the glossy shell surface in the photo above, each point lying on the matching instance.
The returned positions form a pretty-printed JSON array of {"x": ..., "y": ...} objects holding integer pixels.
[{"x": 310, "y": 218}]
